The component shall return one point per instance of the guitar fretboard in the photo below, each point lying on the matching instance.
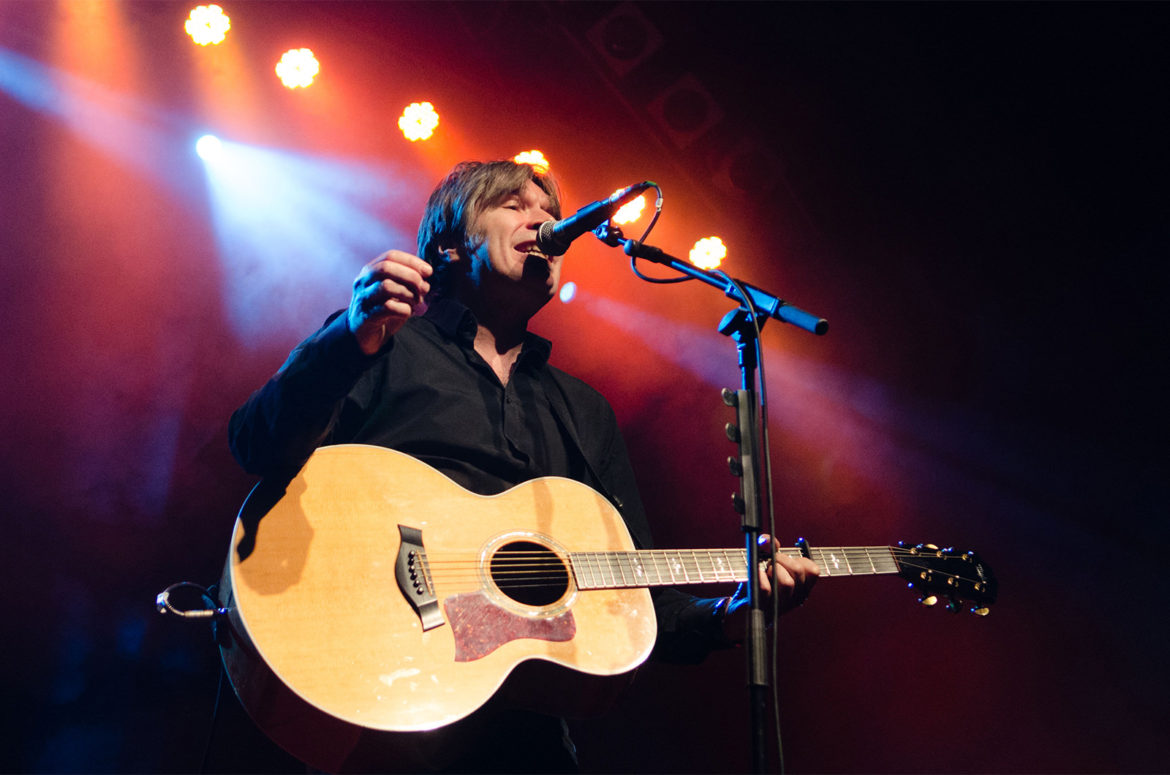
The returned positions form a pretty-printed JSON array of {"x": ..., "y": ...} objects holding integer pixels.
[{"x": 675, "y": 567}]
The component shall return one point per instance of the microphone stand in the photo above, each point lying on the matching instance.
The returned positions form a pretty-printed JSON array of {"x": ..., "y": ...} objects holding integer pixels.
[{"x": 741, "y": 324}]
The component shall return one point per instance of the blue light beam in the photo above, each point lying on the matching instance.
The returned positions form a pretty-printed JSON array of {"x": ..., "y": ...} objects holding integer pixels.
[
  {"x": 293, "y": 231},
  {"x": 133, "y": 132}
]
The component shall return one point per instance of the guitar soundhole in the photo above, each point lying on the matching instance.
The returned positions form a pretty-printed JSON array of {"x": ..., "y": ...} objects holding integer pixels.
[{"x": 529, "y": 573}]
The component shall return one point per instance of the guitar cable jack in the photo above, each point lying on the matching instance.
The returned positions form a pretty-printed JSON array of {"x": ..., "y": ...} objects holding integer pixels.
[{"x": 163, "y": 604}]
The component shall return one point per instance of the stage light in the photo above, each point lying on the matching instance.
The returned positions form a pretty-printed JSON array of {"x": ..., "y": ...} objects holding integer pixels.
[
  {"x": 533, "y": 158},
  {"x": 207, "y": 24},
  {"x": 297, "y": 68},
  {"x": 568, "y": 291},
  {"x": 630, "y": 211},
  {"x": 209, "y": 148},
  {"x": 418, "y": 121},
  {"x": 708, "y": 253}
]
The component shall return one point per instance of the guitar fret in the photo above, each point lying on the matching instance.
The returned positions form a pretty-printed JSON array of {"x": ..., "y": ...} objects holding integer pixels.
[
  {"x": 869, "y": 559},
  {"x": 646, "y": 563},
  {"x": 829, "y": 560},
  {"x": 887, "y": 562},
  {"x": 657, "y": 556},
  {"x": 639, "y": 571},
  {"x": 595, "y": 571},
  {"x": 598, "y": 570},
  {"x": 716, "y": 565},
  {"x": 621, "y": 564},
  {"x": 581, "y": 568},
  {"x": 738, "y": 563},
  {"x": 861, "y": 557}
]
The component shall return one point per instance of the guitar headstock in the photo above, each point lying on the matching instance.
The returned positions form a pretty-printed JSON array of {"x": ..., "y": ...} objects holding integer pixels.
[{"x": 946, "y": 574}]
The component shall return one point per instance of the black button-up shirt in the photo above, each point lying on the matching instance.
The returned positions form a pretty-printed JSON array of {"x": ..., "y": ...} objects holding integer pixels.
[
  {"x": 428, "y": 393},
  {"x": 431, "y": 395}
]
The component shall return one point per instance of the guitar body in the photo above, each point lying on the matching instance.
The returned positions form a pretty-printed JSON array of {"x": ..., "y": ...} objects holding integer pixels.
[
  {"x": 373, "y": 605},
  {"x": 333, "y": 661}
]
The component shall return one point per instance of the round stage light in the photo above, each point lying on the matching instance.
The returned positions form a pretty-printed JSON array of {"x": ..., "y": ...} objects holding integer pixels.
[
  {"x": 533, "y": 158},
  {"x": 297, "y": 68},
  {"x": 418, "y": 121},
  {"x": 209, "y": 148},
  {"x": 207, "y": 24},
  {"x": 708, "y": 253}
]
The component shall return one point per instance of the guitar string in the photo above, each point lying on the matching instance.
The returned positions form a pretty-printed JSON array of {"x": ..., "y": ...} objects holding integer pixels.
[
  {"x": 688, "y": 562},
  {"x": 788, "y": 551},
  {"x": 555, "y": 570},
  {"x": 689, "y": 558}
]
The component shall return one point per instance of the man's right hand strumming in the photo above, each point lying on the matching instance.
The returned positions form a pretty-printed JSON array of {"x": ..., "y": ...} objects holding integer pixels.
[{"x": 386, "y": 293}]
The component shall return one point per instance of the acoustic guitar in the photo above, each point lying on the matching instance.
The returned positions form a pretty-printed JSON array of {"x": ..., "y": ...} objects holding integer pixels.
[{"x": 374, "y": 603}]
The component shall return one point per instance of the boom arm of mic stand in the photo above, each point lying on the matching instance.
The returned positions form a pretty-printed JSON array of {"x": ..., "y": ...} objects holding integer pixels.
[{"x": 767, "y": 305}]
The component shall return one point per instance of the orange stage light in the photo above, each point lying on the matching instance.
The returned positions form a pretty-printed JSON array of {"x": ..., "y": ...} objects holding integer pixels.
[
  {"x": 708, "y": 253},
  {"x": 534, "y": 158},
  {"x": 207, "y": 24},
  {"x": 630, "y": 211},
  {"x": 418, "y": 121},
  {"x": 297, "y": 68}
]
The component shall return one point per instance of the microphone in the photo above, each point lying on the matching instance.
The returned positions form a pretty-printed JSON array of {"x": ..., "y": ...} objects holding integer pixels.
[{"x": 553, "y": 237}]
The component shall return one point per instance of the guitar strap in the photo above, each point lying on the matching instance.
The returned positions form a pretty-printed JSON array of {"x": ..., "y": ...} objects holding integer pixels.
[{"x": 560, "y": 406}]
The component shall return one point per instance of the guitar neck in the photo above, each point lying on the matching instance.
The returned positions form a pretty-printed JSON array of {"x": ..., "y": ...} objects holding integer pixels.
[{"x": 677, "y": 567}]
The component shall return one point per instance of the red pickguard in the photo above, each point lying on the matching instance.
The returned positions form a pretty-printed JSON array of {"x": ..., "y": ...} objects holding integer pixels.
[{"x": 480, "y": 626}]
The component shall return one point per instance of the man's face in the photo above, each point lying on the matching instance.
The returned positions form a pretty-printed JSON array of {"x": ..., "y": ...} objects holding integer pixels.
[{"x": 507, "y": 259}]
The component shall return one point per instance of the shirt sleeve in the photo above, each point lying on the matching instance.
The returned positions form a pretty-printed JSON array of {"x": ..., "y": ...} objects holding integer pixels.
[{"x": 278, "y": 427}]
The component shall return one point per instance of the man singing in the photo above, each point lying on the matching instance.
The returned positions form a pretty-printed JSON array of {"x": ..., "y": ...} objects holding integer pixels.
[{"x": 433, "y": 358}]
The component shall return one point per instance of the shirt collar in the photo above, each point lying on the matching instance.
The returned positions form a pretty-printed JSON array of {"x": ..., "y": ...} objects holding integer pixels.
[{"x": 456, "y": 321}]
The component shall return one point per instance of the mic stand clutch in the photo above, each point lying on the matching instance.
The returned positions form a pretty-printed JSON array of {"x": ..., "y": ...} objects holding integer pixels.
[{"x": 743, "y": 325}]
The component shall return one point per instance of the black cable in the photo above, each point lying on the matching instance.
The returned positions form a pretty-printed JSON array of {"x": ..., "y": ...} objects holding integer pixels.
[
  {"x": 658, "y": 280},
  {"x": 214, "y": 720}
]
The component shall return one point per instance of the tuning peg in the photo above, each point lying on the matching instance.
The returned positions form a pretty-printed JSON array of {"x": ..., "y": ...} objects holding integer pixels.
[
  {"x": 982, "y": 611},
  {"x": 729, "y": 397},
  {"x": 732, "y": 432},
  {"x": 929, "y": 600},
  {"x": 735, "y": 466}
]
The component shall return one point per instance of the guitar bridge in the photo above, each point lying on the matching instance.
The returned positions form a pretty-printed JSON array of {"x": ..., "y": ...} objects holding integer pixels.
[{"x": 414, "y": 578}]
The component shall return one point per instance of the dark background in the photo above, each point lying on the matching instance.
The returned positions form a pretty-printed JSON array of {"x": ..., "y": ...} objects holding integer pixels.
[{"x": 974, "y": 195}]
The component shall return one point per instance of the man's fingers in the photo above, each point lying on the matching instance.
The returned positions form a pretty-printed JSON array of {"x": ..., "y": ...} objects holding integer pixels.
[
  {"x": 392, "y": 290},
  {"x": 393, "y": 273},
  {"x": 386, "y": 292}
]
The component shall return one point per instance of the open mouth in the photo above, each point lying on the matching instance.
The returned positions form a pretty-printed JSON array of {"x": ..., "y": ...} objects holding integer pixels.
[{"x": 530, "y": 250}]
